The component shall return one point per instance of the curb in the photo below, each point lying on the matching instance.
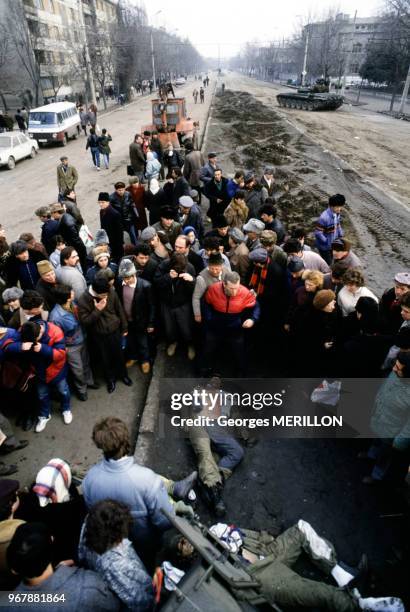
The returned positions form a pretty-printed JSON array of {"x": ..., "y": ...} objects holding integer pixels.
[{"x": 148, "y": 422}]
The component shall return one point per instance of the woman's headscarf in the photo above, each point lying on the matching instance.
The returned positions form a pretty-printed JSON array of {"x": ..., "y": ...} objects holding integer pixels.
[{"x": 53, "y": 482}]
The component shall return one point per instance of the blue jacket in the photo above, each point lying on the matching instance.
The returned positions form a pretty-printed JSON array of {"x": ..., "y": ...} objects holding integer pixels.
[
  {"x": 11, "y": 335},
  {"x": 232, "y": 188},
  {"x": 69, "y": 323},
  {"x": 327, "y": 229},
  {"x": 137, "y": 487}
]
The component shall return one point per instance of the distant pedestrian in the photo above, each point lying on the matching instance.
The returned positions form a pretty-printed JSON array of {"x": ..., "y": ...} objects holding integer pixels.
[
  {"x": 67, "y": 177},
  {"x": 20, "y": 121},
  {"x": 83, "y": 119},
  {"x": 195, "y": 95},
  {"x": 104, "y": 146},
  {"x": 202, "y": 95},
  {"x": 92, "y": 144}
]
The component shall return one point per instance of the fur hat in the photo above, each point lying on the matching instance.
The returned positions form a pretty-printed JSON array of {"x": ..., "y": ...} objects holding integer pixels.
[
  {"x": 99, "y": 252},
  {"x": 103, "y": 196},
  {"x": 268, "y": 238},
  {"x": 126, "y": 268},
  {"x": 101, "y": 237},
  {"x": 11, "y": 294},
  {"x": 258, "y": 255},
  {"x": 167, "y": 212},
  {"x": 323, "y": 298},
  {"x": 44, "y": 266},
  {"x": 236, "y": 235},
  {"x": 186, "y": 201},
  {"x": 254, "y": 225},
  {"x": 403, "y": 278},
  {"x": 148, "y": 233}
]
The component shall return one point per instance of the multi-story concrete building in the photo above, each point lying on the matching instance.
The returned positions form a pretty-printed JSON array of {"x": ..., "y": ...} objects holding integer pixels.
[{"x": 58, "y": 36}]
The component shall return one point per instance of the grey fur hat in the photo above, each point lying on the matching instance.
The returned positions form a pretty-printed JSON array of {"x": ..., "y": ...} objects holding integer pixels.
[
  {"x": 126, "y": 268},
  {"x": 254, "y": 225},
  {"x": 11, "y": 294},
  {"x": 101, "y": 237},
  {"x": 236, "y": 235}
]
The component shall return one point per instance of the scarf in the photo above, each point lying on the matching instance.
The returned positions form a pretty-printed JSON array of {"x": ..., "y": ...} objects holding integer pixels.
[
  {"x": 258, "y": 278},
  {"x": 53, "y": 482}
]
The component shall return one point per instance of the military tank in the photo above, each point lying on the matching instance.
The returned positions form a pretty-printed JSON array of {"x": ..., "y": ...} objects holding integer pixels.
[{"x": 316, "y": 98}]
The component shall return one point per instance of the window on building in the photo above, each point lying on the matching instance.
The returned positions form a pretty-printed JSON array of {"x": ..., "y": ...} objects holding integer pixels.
[
  {"x": 62, "y": 58},
  {"x": 44, "y": 31},
  {"x": 46, "y": 83},
  {"x": 354, "y": 68},
  {"x": 357, "y": 48},
  {"x": 33, "y": 27},
  {"x": 40, "y": 56}
]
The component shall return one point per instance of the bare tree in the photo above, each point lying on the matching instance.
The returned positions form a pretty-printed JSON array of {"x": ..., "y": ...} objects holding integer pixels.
[
  {"x": 5, "y": 60},
  {"x": 24, "y": 43}
]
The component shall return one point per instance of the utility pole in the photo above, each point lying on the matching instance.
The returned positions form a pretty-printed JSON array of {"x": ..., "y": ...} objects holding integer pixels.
[
  {"x": 153, "y": 61},
  {"x": 405, "y": 93},
  {"x": 90, "y": 78},
  {"x": 349, "y": 55},
  {"x": 303, "y": 79}
]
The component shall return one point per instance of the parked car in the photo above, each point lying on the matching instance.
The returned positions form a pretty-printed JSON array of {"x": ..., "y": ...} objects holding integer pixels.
[
  {"x": 15, "y": 146},
  {"x": 55, "y": 122},
  {"x": 180, "y": 81}
]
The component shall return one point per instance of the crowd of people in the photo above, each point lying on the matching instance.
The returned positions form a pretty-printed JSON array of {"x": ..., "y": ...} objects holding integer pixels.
[{"x": 209, "y": 280}]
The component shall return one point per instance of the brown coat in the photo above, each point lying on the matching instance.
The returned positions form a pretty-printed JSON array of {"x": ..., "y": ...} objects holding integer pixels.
[
  {"x": 236, "y": 214},
  {"x": 67, "y": 179},
  {"x": 239, "y": 260},
  {"x": 192, "y": 167},
  {"x": 137, "y": 192},
  {"x": 105, "y": 321}
]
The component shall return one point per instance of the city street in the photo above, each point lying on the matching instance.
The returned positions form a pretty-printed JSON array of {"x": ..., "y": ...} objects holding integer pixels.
[
  {"x": 279, "y": 481},
  {"x": 32, "y": 184}
]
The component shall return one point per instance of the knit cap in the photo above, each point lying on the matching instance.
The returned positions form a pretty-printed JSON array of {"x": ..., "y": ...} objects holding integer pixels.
[
  {"x": 323, "y": 298},
  {"x": 53, "y": 482},
  {"x": 258, "y": 255}
]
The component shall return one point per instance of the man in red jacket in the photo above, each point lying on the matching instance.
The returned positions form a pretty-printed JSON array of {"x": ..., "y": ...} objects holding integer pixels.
[{"x": 229, "y": 309}]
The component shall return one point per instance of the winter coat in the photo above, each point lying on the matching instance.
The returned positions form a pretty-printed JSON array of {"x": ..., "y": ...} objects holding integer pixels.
[
  {"x": 102, "y": 322},
  {"x": 217, "y": 191},
  {"x": 69, "y": 231},
  {"x": 154, "y": 202},
  {"x": 390, "y": 312},
  {"x": 104, "y": 144},
  {"x": 137, "y": 192},
  {"x": 328, "y": 228},
  {"x": 253, "y": 199},
  {"x": 207, "y": 173},
  {"x": 23, "y": 272},
  {"x": 173, "y": 161},
  {"x": 137, "y": 157},
  {"x": 50, "y": 363},
  {"x": 92, "y": 140},
  {"x": 192, "y": 168},
  {"x": 180, "y": 188},
  {"x": 49, "y": 229},
  {"x": 239, "y": 260},
  {"x": 277, "y": 227},
  {"x": 71, "y": 276},
  {"x": 391, "y": 415},
  {"x": 137, "y": 487},
  {"x": 313, "y": 261},
  {"x": 69, "y": 323},
  {"x": 153, "y": 167},
  {"x": 226, "y": 314},
  {"x": 266, "y": 189},
  {"x": 125, "y": 206},
  {"x": 174, "y": 292},
  {"x": 66, "y": 179},
  {"x": 203, "y": 281},
  {"x": 194, "y": 219},
  {"x": 122, "y": 570},
  {"x": 236, "y": 214},
  {"x": 350, "y": 261},
  {"x": 232, "y": 187},
  {"x": 111, "y": 222},
  {"x": 148, "y": 271},
  {"x": 46, "y": 291},
  {"x": 82, "y": 589},
  {"x": 143, "y": 304}
]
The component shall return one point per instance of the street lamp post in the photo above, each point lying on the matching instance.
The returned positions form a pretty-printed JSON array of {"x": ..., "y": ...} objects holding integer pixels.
[{"x": 305, "y": 55}]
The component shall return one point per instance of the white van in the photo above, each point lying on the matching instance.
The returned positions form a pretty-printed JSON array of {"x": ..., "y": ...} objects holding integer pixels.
[{"x": 55, "y": 122}]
